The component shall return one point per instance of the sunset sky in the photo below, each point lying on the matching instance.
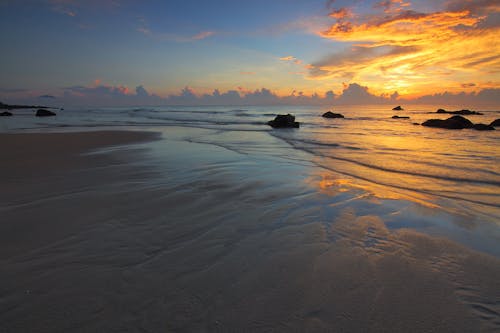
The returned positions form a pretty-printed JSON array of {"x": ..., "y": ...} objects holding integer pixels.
[{"x": 85, "y": 49}]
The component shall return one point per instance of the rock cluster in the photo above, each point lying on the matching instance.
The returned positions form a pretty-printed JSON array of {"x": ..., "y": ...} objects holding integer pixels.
[
  {"x": 456, "y": 122},
  {"x": 460, "y": 112}
]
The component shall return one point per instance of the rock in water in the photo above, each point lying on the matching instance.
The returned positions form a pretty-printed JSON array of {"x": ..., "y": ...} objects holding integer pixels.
[
  {"x": 483, "y": 127},
  {"x": 284, "y": 121},
  {"x": 6, "y": 114},
  {"x": 398, "y": 108},
  {"x": 330, "y": 114},
  {"x": 398, "y": 117},
  {"x": 461, "y": 112},
  {"x": 455, "y": 122},
  {"x": 495, "y": 123},
  {"x": 44, "y": 113}
]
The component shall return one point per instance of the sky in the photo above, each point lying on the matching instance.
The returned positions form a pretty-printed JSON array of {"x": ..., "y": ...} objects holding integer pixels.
[{"x": 135, "y": 52}]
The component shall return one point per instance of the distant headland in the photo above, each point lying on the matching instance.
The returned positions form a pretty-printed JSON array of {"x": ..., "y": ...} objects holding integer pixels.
[{"x": 12, "y": 107}]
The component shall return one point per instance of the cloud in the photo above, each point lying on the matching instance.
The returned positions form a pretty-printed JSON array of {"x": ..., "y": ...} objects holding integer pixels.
[
  {"x": 73, "y": 7},
  {"x": 173, "y": 37},
  {"x": 475, "y": 7},
  {"x": 413, "y": 51},
  {"x": 291, "y": 59},
  {"x": 141, "y": 91},
  {"x": 347, "y": 63},
  {"x": 391, "y": 6},
  {"x": 98, "y": 94},
  {"x": 341, "y": 14},
  {"x": 202, "y": 35},
  {"x": 357, "y": 94},
  {"x": 468, "y": 85},
  {"x": 143, "y": 28}
]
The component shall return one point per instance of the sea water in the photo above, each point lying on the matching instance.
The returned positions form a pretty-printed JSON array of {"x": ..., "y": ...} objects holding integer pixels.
[{"x": 451, "y": 177}]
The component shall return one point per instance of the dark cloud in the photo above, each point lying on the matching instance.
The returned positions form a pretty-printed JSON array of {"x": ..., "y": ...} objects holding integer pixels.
[
  {"x": 141, "y": 91},
  {"x": 485, "y": 96},
  {"x": 357, "y": 94}
]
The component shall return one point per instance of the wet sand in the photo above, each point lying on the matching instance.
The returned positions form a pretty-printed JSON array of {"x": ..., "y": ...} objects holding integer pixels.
[{"x": 199, "y": 240}]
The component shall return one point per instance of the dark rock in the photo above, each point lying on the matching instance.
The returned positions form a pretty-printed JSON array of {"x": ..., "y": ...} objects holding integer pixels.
[
  {"x": 464, "y": 121},
  {"x": 6, "y": 114},
  {"x": 455, "y": 122},
  {"x": 44, "y": 113},
  {"x": 467, "y": 112},
  {"x": 398, "y": 108},
  {"x": 483, "y": 127},
  {"x": 398, "y": 117},
  {"x": 330, "y": 114},
  {"x": 495, "y": 123},
  {"x": 416, "y": 124},
  {"x": 283, "y": 121},
  {"x": 460, "y": 112}
]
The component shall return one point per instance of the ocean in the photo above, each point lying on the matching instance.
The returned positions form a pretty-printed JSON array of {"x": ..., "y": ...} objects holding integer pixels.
[
  {"x": 457, "y": 170},
  {"x": 365, "y": 223}
]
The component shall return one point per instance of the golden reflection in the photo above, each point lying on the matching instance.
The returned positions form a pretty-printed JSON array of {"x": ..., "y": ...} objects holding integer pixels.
[{"x": 333, "y": 184}]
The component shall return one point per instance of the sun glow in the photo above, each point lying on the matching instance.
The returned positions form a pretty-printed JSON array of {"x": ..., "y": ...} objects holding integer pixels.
[{"x": 414, "y": 52}]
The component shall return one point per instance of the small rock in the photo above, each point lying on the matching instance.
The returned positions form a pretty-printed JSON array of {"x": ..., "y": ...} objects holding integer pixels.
[
  {"x": 398, "y": 108},
  {"x": 483, "y": 127},
  {"x": 330, "y": 114},
  {"x": 44, "y": 113},
  {"x": 398, "y": 117},
  {"x": 6, "y": 114},
  {"x": 495, "y": 123},
  {"x": 284, "y": 121}
]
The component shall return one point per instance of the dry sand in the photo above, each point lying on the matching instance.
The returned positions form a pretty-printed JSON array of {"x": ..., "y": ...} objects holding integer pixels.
[{"x": 89, "y": 244}]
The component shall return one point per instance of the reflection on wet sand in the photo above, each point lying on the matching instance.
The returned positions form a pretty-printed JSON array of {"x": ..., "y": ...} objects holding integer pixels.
[{"x": 333, "y": 184}]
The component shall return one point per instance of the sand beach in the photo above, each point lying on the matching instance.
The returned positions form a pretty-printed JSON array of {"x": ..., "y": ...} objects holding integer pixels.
[{"x": 147, "y": 231}]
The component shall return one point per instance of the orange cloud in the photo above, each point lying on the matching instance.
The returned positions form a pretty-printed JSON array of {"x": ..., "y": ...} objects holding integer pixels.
[
  {"x": 411, "y": 51},
  {"x": 292, "y": 59},
  {"x": 390, "y": 6},
  {"x": 341, "y": 13}
]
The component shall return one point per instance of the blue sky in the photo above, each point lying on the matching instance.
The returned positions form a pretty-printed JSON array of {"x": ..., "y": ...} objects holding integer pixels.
[{"x": 51, "y": 46}]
